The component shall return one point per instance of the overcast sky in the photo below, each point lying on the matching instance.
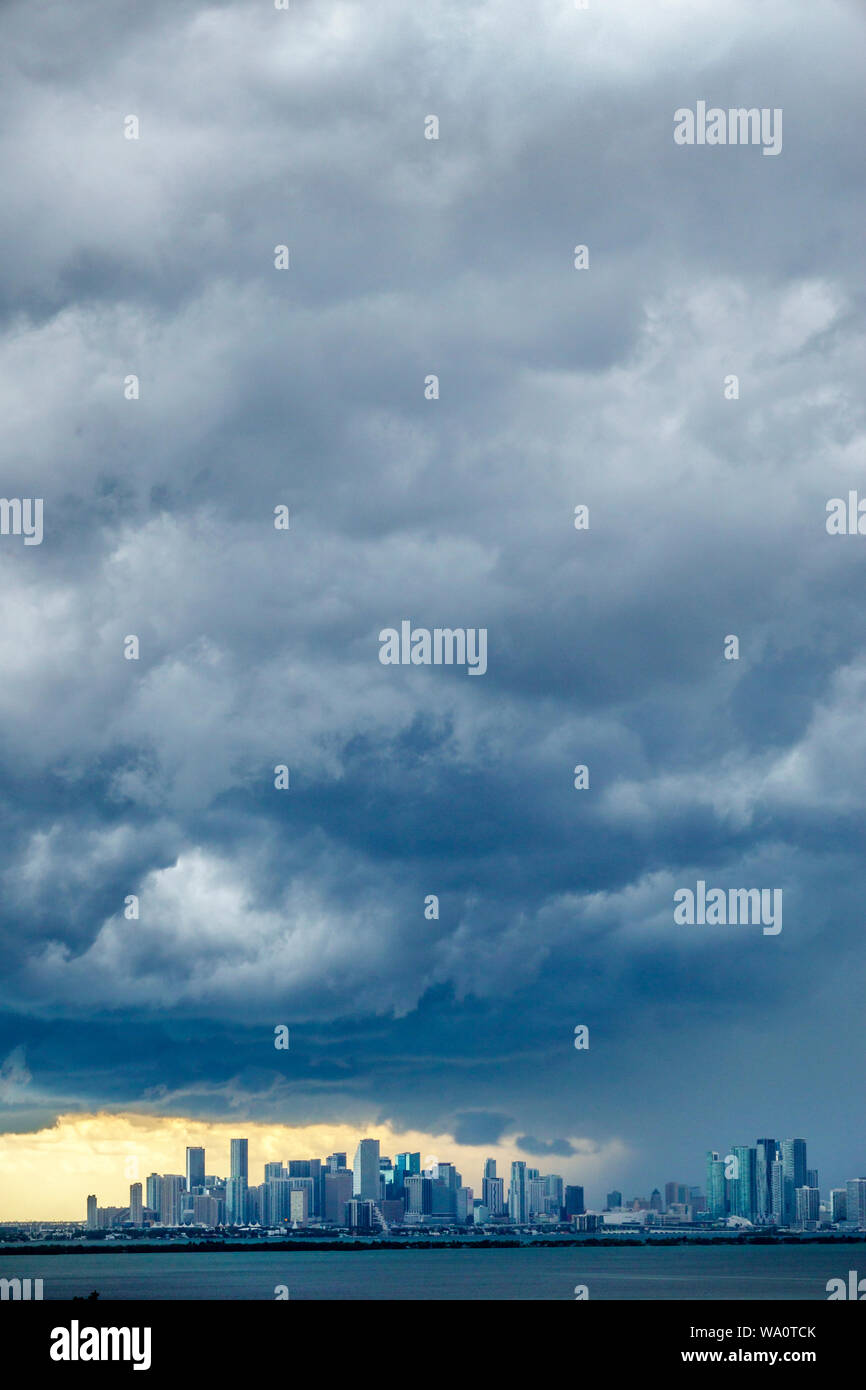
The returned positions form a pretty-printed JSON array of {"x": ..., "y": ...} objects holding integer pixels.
[{"x": 259, "y": 647}]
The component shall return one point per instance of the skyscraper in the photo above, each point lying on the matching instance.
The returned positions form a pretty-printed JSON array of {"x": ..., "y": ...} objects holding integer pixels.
[
  {"x": 766, "y": 1151},
  {"x": 153, "y": 1192},
  {"x": 838, "y": 1204},
  {"x": 613, "y": 1201},
  {"x": 490, "y": 1168},
  {"x": 170, "y": 1197},
  {"x": 338, "y": 1191},
  {"x": 744, "y": 1185},
  {"x": 92, "y": 1218},
  {"x": 517, "y": 1193},
  {"x": 855, "y": 1195},
  {"x": 194, "y": 1169},
  {"x": 717, "y": 1205},
  {"x": 777, "y": 1189},
  {"x": 239, "y": 1159},
  {"x": 135, "y": 1204},
  {"x": 808, "y": 1205},
  {"x": 574, "y": 1202},
  {"x": 236, "y": 1200},
  {"x": 419, "y": 1195},
  {"x": 493, "y": 1195},
  {"x": 365, "y": 1171},
  {"x": 793, "y": 1173}
]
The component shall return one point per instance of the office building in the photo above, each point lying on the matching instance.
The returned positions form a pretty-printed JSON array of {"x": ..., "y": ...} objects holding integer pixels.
[
  {"x": 613, "y": 1201},
  {"x": 717, "y": 1203},
  {"x": 153, "y": 1192},
  {"x": 766, "y": 1157},
  {"x": 493, "y": 1195},
  {"x": 299, "y": 1205},
  {"x": 236, "y": 1198},
  {"x": 518, "y": 1197},
  {"x": 744, "y": 1190},
  {"x": 135, "y": 1204},
  {"x": 195, "y": 1170},
  {"x": 808, "y": 1202},
  {"x": 574, "y": 1204},
  {"x": 419, "y": 1194},
  {"x": 338, "y": 1191},
  {"x": 359, "y": 1215},
  {"x": 92, "y": 1217},
  {"x": 794, "y": 1173},
  {"x": 170, "y": 1199},
  {"x": 838, "y": 1204},
  {"x": 365, "y": 1171},
  {"x": 240, "y": 1159},
  {"x": 855, "y": 1193}
]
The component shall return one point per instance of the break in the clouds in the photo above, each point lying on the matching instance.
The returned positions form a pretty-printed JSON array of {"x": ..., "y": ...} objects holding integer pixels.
[{"x": 259, "y": 647}]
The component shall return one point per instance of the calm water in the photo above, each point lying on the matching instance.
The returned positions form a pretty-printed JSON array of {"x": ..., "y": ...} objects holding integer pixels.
[{"x": 762, "y": 1272}]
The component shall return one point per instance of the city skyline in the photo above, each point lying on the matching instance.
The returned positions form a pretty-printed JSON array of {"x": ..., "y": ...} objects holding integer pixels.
[{"x": 767, "y": 1181}]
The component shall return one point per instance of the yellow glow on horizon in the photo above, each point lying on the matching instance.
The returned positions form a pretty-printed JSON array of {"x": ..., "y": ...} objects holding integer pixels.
[{"x": 47, "y": 1174}]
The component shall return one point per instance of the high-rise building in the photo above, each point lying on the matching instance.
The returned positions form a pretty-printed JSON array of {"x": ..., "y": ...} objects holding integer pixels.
[
  {"x": 205, "y": 1210},
  {"x": 365, "y": 1171},
  {"x": 766, "y": 1157},
  {"x": 237, "y": 1212},
  {"x": 574, "y": 1205},
  {"x": 135, "y": 1204},
  {"x": 554, "y": 1195},
  {"x": 744, "y": 1185},
  {"x": 777, "y": 1192},
  {"x": 359, "y": 1215},
  {"x": 489, "y": 1168},
  {"x": 676, "y": 1194},
  {"x": 338, "y": 1191},
  {"x": 153, "y": 1192},
  {"x": 92, "y": 1217},
  {"x": 613, "y": 1201},
  {"x": 464, "y": 1205},
  {"x": 536, "y": 1194},
  {"x": 409, "y": 1163},
  {"x": 274, "y": 1170},
  {"x": 517, "y": 1193},
  {"x": 493, "y": 1195},
  {"x": 812, "y": 1177},
  {"x": 336, "y": 1163},
  {"x": 717, "y": 1204},
  {"x": 194, "y": 1170},
  {"x": 808, "y": 1204},
  {"x": 855, "y": 1194},
  {"x": 299, "y": 1205},
  {"x": 240, "y": 1159},
  {"x": 838, "y": 1204},
  {"x": 794, "y": 1173},
  {"x": 419, "y": 1194},
  {"x": 170, "y": 1199}
]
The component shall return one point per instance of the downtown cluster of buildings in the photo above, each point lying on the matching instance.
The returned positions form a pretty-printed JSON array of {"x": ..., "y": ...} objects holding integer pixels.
[
  {"x": 770, "y": 1184},
  {"x": 767, "y": 1184},
  {"x": 371, "y": 1195}
]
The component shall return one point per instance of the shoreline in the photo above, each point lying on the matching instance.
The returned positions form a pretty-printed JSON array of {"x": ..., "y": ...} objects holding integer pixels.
[{"x": 329, "y": 1245}]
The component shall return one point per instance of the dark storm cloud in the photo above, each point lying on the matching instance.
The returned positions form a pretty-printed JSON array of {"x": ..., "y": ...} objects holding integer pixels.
[
  {"x": 528, "y": 1144},
  {"x": 260, "y": 647}
]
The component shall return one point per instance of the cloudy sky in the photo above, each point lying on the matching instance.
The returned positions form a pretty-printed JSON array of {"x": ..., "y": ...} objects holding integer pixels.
[{"x": 258, "y": 647}]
